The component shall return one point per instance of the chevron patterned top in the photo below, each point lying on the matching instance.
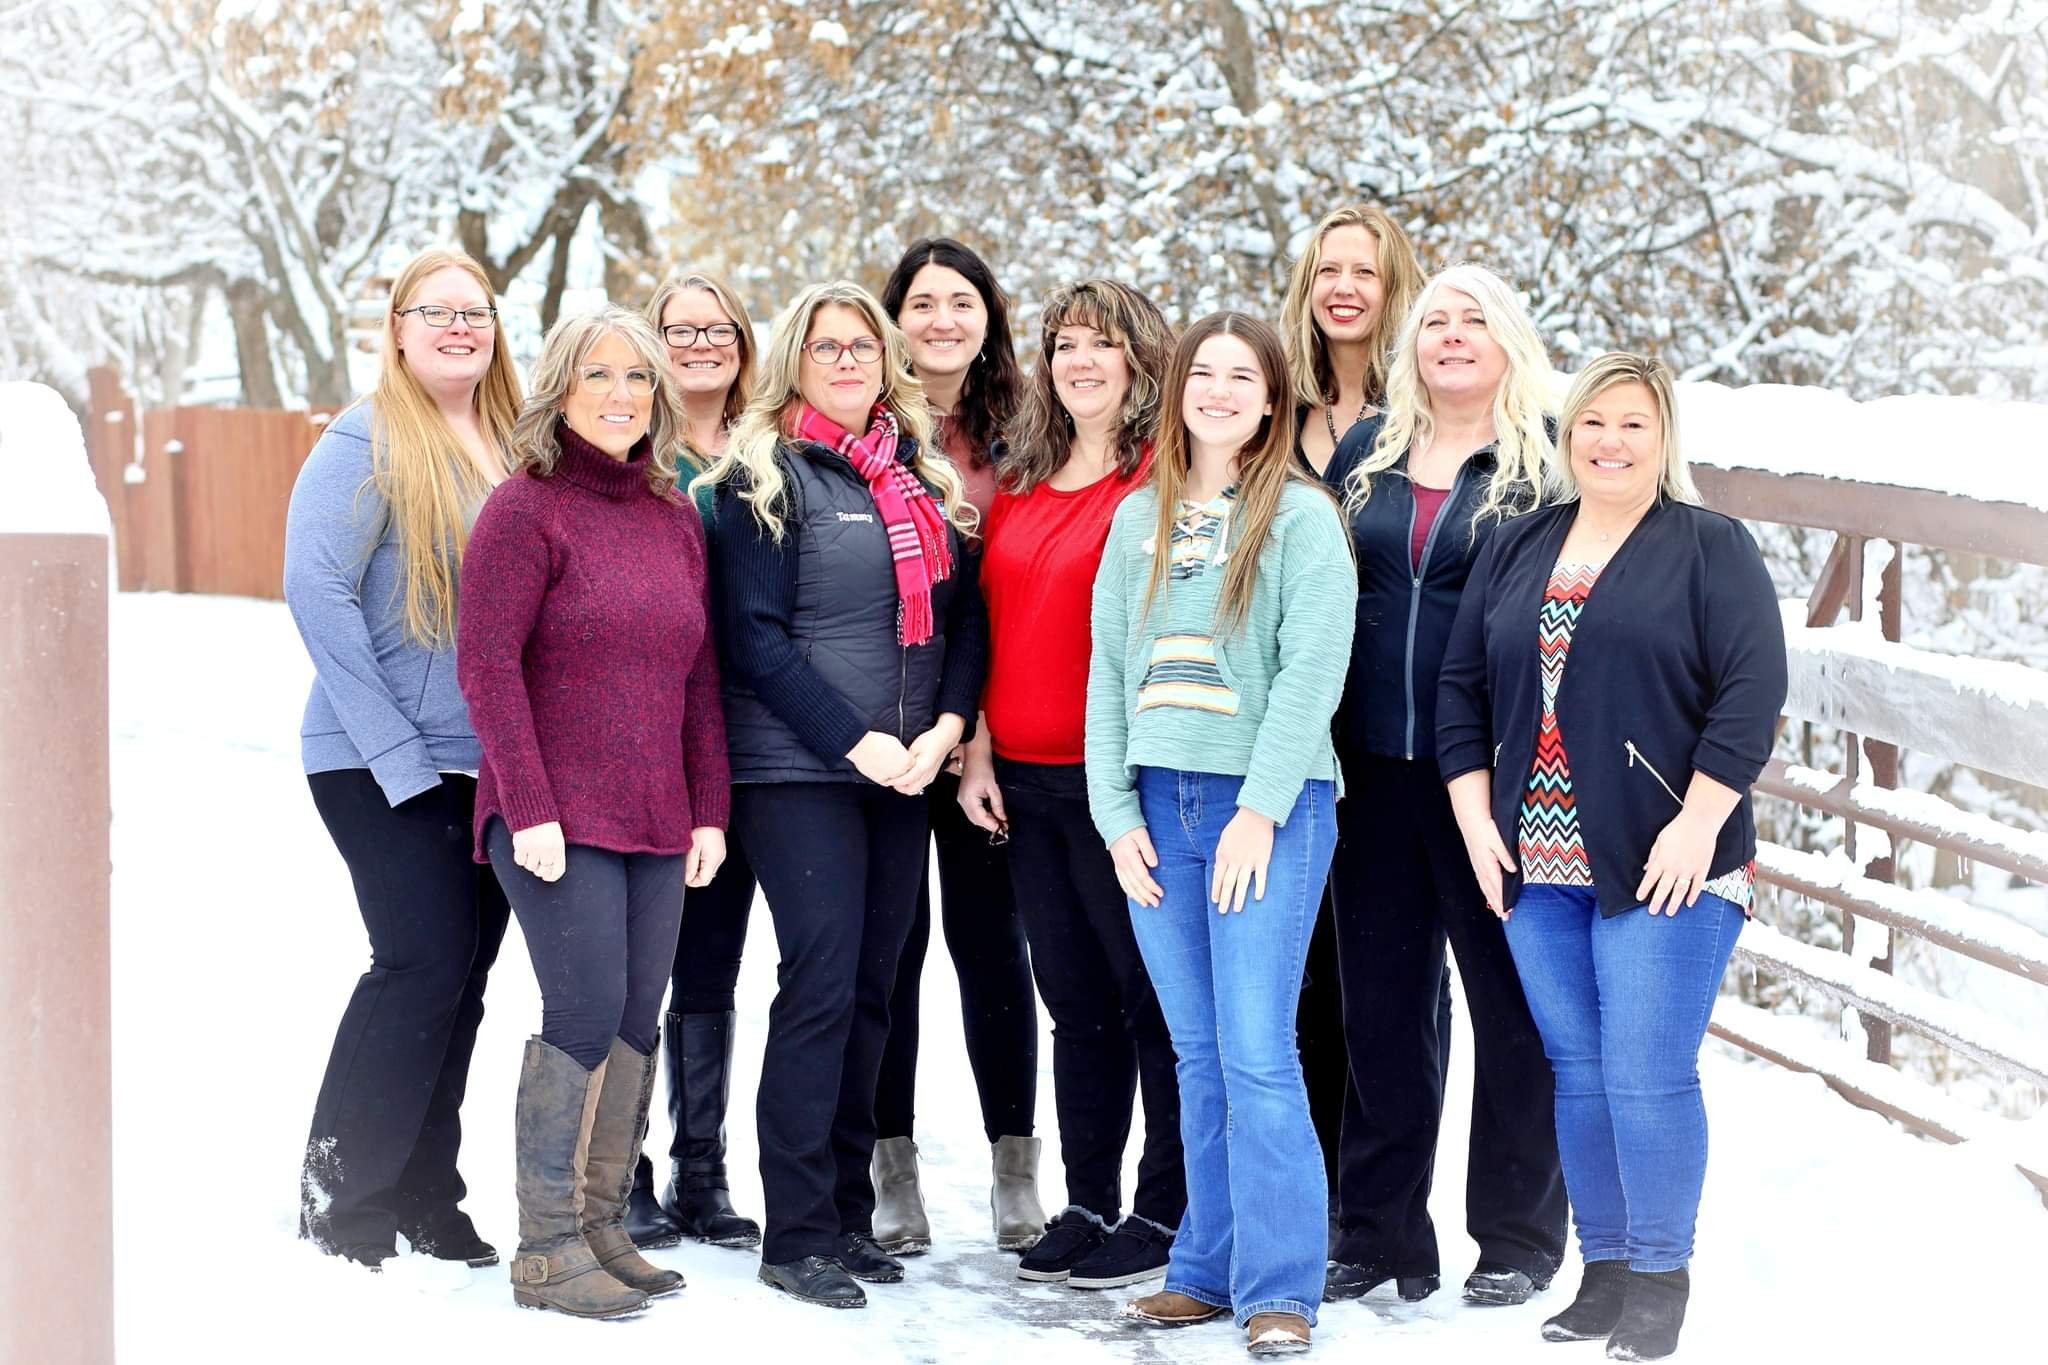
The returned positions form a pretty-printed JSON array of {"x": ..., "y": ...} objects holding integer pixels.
[{"x": 1550, "y": 846}]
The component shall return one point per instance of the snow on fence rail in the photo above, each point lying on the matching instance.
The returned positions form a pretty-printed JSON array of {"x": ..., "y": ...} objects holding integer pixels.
[{"x": 1884, "y": 696}]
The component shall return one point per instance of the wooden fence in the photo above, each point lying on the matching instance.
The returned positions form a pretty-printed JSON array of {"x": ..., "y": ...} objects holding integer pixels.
[
  {"x": 198, "y": 494},
  {"x": 1885, "y": 697}
]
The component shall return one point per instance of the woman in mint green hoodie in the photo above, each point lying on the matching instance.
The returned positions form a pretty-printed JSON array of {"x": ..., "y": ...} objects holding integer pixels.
[{"x": 1222, "y": 627}]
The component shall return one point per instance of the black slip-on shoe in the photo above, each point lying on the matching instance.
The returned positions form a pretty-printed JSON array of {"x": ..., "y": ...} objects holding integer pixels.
[
  {"x": 1492, "y": 1284},
  {"x": 1134, "y": 1253},
  {"x": 1068, "y": 1238}
]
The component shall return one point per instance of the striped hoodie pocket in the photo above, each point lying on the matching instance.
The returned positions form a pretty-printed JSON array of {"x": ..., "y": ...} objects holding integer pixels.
[{"x": 1183, "y": 672}]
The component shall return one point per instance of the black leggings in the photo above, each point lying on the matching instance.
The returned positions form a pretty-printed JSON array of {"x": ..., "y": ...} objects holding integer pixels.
[
  {"x": 1109, "y": 1040},
  {"x": 707, "y": 965},
  {"x": 998, "y": 1015},
  {"x": 602, "y": 938},
  {"x": 1403, "y": 885},
  {"x": 839, "y": 863},
  {"x": 388, "y": 1123}
]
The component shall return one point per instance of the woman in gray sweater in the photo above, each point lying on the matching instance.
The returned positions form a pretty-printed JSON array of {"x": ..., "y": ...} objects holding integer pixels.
[{"x": 373, "y": 541}]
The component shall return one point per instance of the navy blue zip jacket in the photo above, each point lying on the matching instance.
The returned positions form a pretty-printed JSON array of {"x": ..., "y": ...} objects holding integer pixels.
[
  {"x": 1404, "y": 614},
  {"x": 1677, "y": 666}
]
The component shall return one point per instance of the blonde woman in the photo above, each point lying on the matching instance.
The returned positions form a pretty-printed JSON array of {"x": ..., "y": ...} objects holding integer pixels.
[
  {"x": 373, "y": 544},
  {"x": 852, "y": 625},
  {"x": 588, "y": 665},
  {"x": 1625, "y": 800},
  {"x": 1462, "y": 447},
  {"x": 711, "y": 348},
  {"x": 1347, "y": 296}
]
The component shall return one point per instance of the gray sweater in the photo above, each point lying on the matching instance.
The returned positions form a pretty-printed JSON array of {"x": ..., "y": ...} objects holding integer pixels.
[{"x": 379, "y": 701}]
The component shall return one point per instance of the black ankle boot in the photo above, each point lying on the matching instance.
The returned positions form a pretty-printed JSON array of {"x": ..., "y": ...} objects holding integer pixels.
[
  {"x": 1594, "y": 1313},
  {"x": 646, "y": 1221},
  {"x": 697, "y": 1051},
  {"x": 1652, "y": 1311}
]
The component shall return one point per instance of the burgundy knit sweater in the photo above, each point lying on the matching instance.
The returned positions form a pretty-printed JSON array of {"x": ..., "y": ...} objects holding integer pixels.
[{"x": 584, "y": 650}]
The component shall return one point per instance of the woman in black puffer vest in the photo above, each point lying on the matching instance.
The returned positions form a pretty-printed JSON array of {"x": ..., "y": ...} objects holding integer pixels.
[{"x": 853, "y": 642}]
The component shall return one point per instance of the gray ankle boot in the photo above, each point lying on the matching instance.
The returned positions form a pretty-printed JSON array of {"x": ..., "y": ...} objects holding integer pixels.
[
  {"x": 1013, "y": 1198},
  {"x": 901, "y": 1228},
  {"x": 616, "y": 1132},
  {"x": 554, "y": 1268}
]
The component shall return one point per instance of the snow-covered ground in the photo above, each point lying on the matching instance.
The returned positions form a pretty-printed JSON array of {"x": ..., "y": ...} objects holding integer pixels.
[{"x": 1826, "y": 1234}]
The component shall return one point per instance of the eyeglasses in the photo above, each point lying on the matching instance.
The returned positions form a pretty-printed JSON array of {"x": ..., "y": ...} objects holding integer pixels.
[
  {"x": 826, "y": 351},
  {"x": 598, "y": 379},
  {"x": 718, "y": 334},
  {"x": 439, "y": 315}
]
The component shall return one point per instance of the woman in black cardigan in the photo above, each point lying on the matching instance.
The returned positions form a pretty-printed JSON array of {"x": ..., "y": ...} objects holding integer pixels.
[{"x": 1633, "y": 855}]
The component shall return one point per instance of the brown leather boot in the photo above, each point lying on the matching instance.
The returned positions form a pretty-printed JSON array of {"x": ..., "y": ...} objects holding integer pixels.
[
  {"x": 554, "y": 1268},
  {"x": 1276, "y": 1334},
  {"x": 1170, "y": 1308},
  {"x": 616, "y": 1132}
]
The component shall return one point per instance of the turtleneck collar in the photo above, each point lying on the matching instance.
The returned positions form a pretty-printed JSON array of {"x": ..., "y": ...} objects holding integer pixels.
[{"x": 584, "y": 465}]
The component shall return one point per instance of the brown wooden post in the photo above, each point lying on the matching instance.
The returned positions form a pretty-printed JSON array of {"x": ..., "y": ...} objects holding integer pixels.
[
  {"x": 56, "y": 1144},
  {"x": 1884, "y": 772}
]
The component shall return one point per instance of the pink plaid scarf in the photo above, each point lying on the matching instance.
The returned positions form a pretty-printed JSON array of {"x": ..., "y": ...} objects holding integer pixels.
[{"x": 917, "y": 528}]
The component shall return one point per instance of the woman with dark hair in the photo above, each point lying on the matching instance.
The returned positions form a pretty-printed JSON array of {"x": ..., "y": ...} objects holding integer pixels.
[
  {"x": 1221, "y": 620},
  {"x": 1080, "y": 444},
  {"x": 587, "y": 661},
  {"x": 710, "y": 343},
  {"x": 957, "y": 323},
  {"x": 853, "y": 629},
  {"x": 1618, "y": 662}
]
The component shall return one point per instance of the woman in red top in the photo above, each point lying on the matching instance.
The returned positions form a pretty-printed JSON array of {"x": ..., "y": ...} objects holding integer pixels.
[
  {"x": 584, "y": 650},
  {"x": 1081, "y": 441}
]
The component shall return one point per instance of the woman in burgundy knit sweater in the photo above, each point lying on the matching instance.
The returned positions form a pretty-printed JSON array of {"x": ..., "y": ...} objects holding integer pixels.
[
  {"x": 585, "y": 654},
  {"x": 1080, "y": 443}
]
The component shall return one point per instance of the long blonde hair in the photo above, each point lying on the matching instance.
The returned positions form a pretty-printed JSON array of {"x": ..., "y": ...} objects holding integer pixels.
[
  {"x": 752, "y": 460},
  {"x": 729, "y": 301},
  {"x": 535, "y": 446},
  {"x": 421, "y": 468},
  {"x": 1603, "y": 372},
  {"x": 1523, "y": 447},
  {"x": 1309, "y": 372},
  {"x": 1266, "y": 464}
]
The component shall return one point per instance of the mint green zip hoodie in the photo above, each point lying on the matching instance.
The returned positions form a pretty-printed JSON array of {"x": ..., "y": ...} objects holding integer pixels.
[{"x": 1165, "y": 691}]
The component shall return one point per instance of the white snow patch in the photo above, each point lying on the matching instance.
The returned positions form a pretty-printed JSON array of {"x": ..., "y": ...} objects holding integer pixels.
[{"x": 49, "y": 482}]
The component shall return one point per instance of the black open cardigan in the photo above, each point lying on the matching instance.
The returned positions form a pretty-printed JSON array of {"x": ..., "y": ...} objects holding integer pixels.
[{"x": 1677, "y": 665}]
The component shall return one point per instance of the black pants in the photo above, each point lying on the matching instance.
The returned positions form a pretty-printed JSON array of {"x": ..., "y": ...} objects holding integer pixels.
[
  {"x": 388, "y": 1123},
  {"x": 707, "y": 965},
  {"x": 997, "y": 1013},
  {"x": 1403, "y": 885},
  {"x": 1319, "y": 1037},
  {"x": 1109, "y": 1040},
  {"x": 602, "y": 937},
  {"x": 840, "y": 865}
]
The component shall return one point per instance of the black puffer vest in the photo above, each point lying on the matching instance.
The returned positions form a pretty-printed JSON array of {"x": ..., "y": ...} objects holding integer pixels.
[{"x": 845, "y": 624}]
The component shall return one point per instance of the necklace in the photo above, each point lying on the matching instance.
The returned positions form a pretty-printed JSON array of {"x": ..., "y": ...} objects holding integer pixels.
[{"x": 1331, "y": 422}]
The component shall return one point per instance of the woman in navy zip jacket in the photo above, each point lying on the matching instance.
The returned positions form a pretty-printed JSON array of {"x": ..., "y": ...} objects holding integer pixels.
[
  {"x": 852, "y": 618},
  {"x": 1619, "y": 659},
  {"x": 1461, "y": 448}
]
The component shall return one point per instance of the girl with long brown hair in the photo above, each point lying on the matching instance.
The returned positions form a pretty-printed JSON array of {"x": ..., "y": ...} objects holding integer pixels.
[
  {"x": 1222, "y": 620},
  {"x": 374, "y": 543}
]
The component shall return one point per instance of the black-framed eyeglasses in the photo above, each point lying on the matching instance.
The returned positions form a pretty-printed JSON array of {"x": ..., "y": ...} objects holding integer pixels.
[
  {"x": 683, "y": 334},
  {"x": 440, "y": 315},
  {"x": 601, "y": 379},
  {"x": 825, "y": 350}
]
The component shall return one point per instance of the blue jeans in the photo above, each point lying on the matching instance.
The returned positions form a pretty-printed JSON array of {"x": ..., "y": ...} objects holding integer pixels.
[
  {"x": 1256, "y": 1230},
  {"x": 1622, "y": 1004}
]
